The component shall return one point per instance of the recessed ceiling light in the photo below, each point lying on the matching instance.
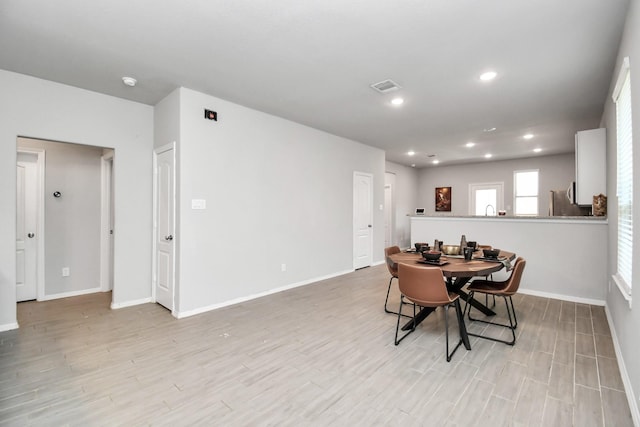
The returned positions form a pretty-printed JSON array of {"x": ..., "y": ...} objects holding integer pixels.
[
  {"x": 129, "y": 81},
  {"x": 470, "y": 144},
  {"x": 411, "y": 153},
  {"x": 537, "y": 150},
  {"x": 489, "y": 75},
  {"x": 435, "y": 162},
  {"x": 488, "y": 156},
  {"x": 397, "y": 101},
  {"x": 488, "y": 129},
  {"x": 528, "y": 136}
]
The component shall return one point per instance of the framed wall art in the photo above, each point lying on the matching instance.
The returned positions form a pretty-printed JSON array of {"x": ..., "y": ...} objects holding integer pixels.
[{"x": 443, "y": 199}]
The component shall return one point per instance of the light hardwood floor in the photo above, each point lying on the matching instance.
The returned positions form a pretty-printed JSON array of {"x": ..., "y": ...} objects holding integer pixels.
[{"x": 322, "y": 354}]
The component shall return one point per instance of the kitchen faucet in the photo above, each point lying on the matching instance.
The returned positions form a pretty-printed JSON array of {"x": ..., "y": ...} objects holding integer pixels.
[{"x": 487, "y": 209}]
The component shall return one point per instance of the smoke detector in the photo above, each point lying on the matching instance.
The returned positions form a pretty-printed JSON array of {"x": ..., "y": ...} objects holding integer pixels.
[
  {"x": 129, "y": 81},
  {"x": 385, "y": 86}
]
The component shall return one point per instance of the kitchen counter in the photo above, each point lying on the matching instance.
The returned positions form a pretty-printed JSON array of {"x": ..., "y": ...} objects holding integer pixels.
[
  {"x": 586, "y": 219},
  {"x": 566, "y": 256}
]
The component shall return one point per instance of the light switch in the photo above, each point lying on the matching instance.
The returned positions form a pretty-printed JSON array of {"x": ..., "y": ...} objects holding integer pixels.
[{"x": 198, "y": 204}]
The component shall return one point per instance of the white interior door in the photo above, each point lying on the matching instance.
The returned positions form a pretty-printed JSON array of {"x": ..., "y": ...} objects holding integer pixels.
[
  {"x": 363, "y": 219},
  {"x": 106, "y": 224},
  {"x": 388, "y": 216},
  {"x": 27, "y": 233},
  {"x": 164, "y": 227}
]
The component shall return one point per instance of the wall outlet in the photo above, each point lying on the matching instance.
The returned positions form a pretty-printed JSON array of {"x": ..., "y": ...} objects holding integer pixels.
[
  {"x": 65, "y": 272},
  {"x": 283, "y": 267}
]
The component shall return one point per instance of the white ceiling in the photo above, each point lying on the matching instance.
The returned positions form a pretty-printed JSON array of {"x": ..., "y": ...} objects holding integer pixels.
[{"x": 313, "y": 61}]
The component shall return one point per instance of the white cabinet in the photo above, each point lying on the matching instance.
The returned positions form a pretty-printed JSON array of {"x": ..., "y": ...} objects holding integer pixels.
[{"x": 591, "y": 165}]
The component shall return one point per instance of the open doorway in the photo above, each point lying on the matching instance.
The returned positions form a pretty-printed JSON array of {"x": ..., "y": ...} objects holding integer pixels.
[
  {"x": 74, "y": 258},
  {"x": 389, "y": 209}
]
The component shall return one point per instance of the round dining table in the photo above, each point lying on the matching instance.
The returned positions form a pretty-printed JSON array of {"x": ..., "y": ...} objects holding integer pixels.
[{"x": 458, "y": 272}]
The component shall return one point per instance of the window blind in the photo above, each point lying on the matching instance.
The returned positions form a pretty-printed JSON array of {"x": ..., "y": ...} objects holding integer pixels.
[{"x": 624, "y": 188}]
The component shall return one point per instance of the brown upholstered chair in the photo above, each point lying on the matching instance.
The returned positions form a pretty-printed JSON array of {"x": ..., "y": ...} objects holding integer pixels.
[
  {"x": 425, "y": 287},
  {"x": 489, "y": 277},
  {"x": 394, "y": 274},
  {"x": 504, "y": 289}
]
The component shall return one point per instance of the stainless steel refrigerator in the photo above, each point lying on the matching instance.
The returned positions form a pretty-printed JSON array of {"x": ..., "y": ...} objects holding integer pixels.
[{"x": 561, "y": 205}]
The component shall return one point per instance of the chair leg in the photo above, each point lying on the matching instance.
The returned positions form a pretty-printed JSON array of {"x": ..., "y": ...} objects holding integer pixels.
[
  {"x": 486, "y": 300},
  {"x": 486, "y": 296},
  {"x": 446, "y": 328},
  {"x": 512, "y": 325},
  {"x": 413, "y": 327},
  {"x": 513, "y": 321},
  {"x": 467, "y": 306},
  {"x": 514, "y": 313},
  {"x": 386, "y": 300}
]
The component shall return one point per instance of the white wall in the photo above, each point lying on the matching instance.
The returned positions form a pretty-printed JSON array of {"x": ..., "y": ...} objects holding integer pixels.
[
  {"x": 626, "y": 320},
  {"x": 277, "y": 192},
  {"x": 72, "y": 221},
  {"x": 405, "y": 194},
  {"x": 556, "y": 172},
  {"x": 38, "y": 108}
]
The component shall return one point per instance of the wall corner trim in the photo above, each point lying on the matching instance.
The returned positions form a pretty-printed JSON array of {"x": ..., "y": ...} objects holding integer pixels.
[
  {"x": 200, "y": 310},
  {"x": 561, "y": 297},
  {"x": 117, "y": 305},
  {"x": 8, "y": 327},
  {"x": 71, "y": 294}
]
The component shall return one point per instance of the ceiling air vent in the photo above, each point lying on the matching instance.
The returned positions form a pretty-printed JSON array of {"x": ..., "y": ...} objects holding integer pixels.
[{"x": 386, "y": 86}]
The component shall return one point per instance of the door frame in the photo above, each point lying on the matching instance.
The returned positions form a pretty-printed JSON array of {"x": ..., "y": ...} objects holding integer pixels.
[
  {"x": 371, "y": 217},
  {"x": 390, "y": 208},
  {"x": 498, "y": 186},
  {"x": 154, "y": 262},
  {"x": 106, "y": 211},
  {"x": 40, "y": 165}
]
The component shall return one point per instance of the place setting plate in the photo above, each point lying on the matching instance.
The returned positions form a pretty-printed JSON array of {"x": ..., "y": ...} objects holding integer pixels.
[{"x": 436, "y": 263}]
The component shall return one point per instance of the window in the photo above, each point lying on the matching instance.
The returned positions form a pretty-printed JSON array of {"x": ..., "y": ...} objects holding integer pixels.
[
  {"x": 525, "y": 192},
  {"x": 485, "y": 199},
  {"x": 624, "y": 181}
]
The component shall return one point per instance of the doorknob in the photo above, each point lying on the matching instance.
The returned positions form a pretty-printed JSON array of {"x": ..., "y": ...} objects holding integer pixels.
[
  {"x": 30, "y": 235},
  {"x": 169, "y": 237},
  {"x": 369, "y": 225}
]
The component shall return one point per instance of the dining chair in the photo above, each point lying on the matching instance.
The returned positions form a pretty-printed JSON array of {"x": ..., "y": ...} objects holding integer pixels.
[
  {"x": 393, "y": 270},
  {"x": 425, "y": 287},
  {"x": 489, "y": 277},
  {"x": 504, "y": 289}
]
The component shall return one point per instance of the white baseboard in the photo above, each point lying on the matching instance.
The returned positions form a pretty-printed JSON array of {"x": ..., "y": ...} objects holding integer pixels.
[
  {"x": 569, "y": 298},
  {"x": 8, "y": 327},
  {"x": 70, "y": 294},
  {"x": 117, "y": 305},
  {"x": 626, "y": 381},
  {"x": 200, "y": 310}
]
